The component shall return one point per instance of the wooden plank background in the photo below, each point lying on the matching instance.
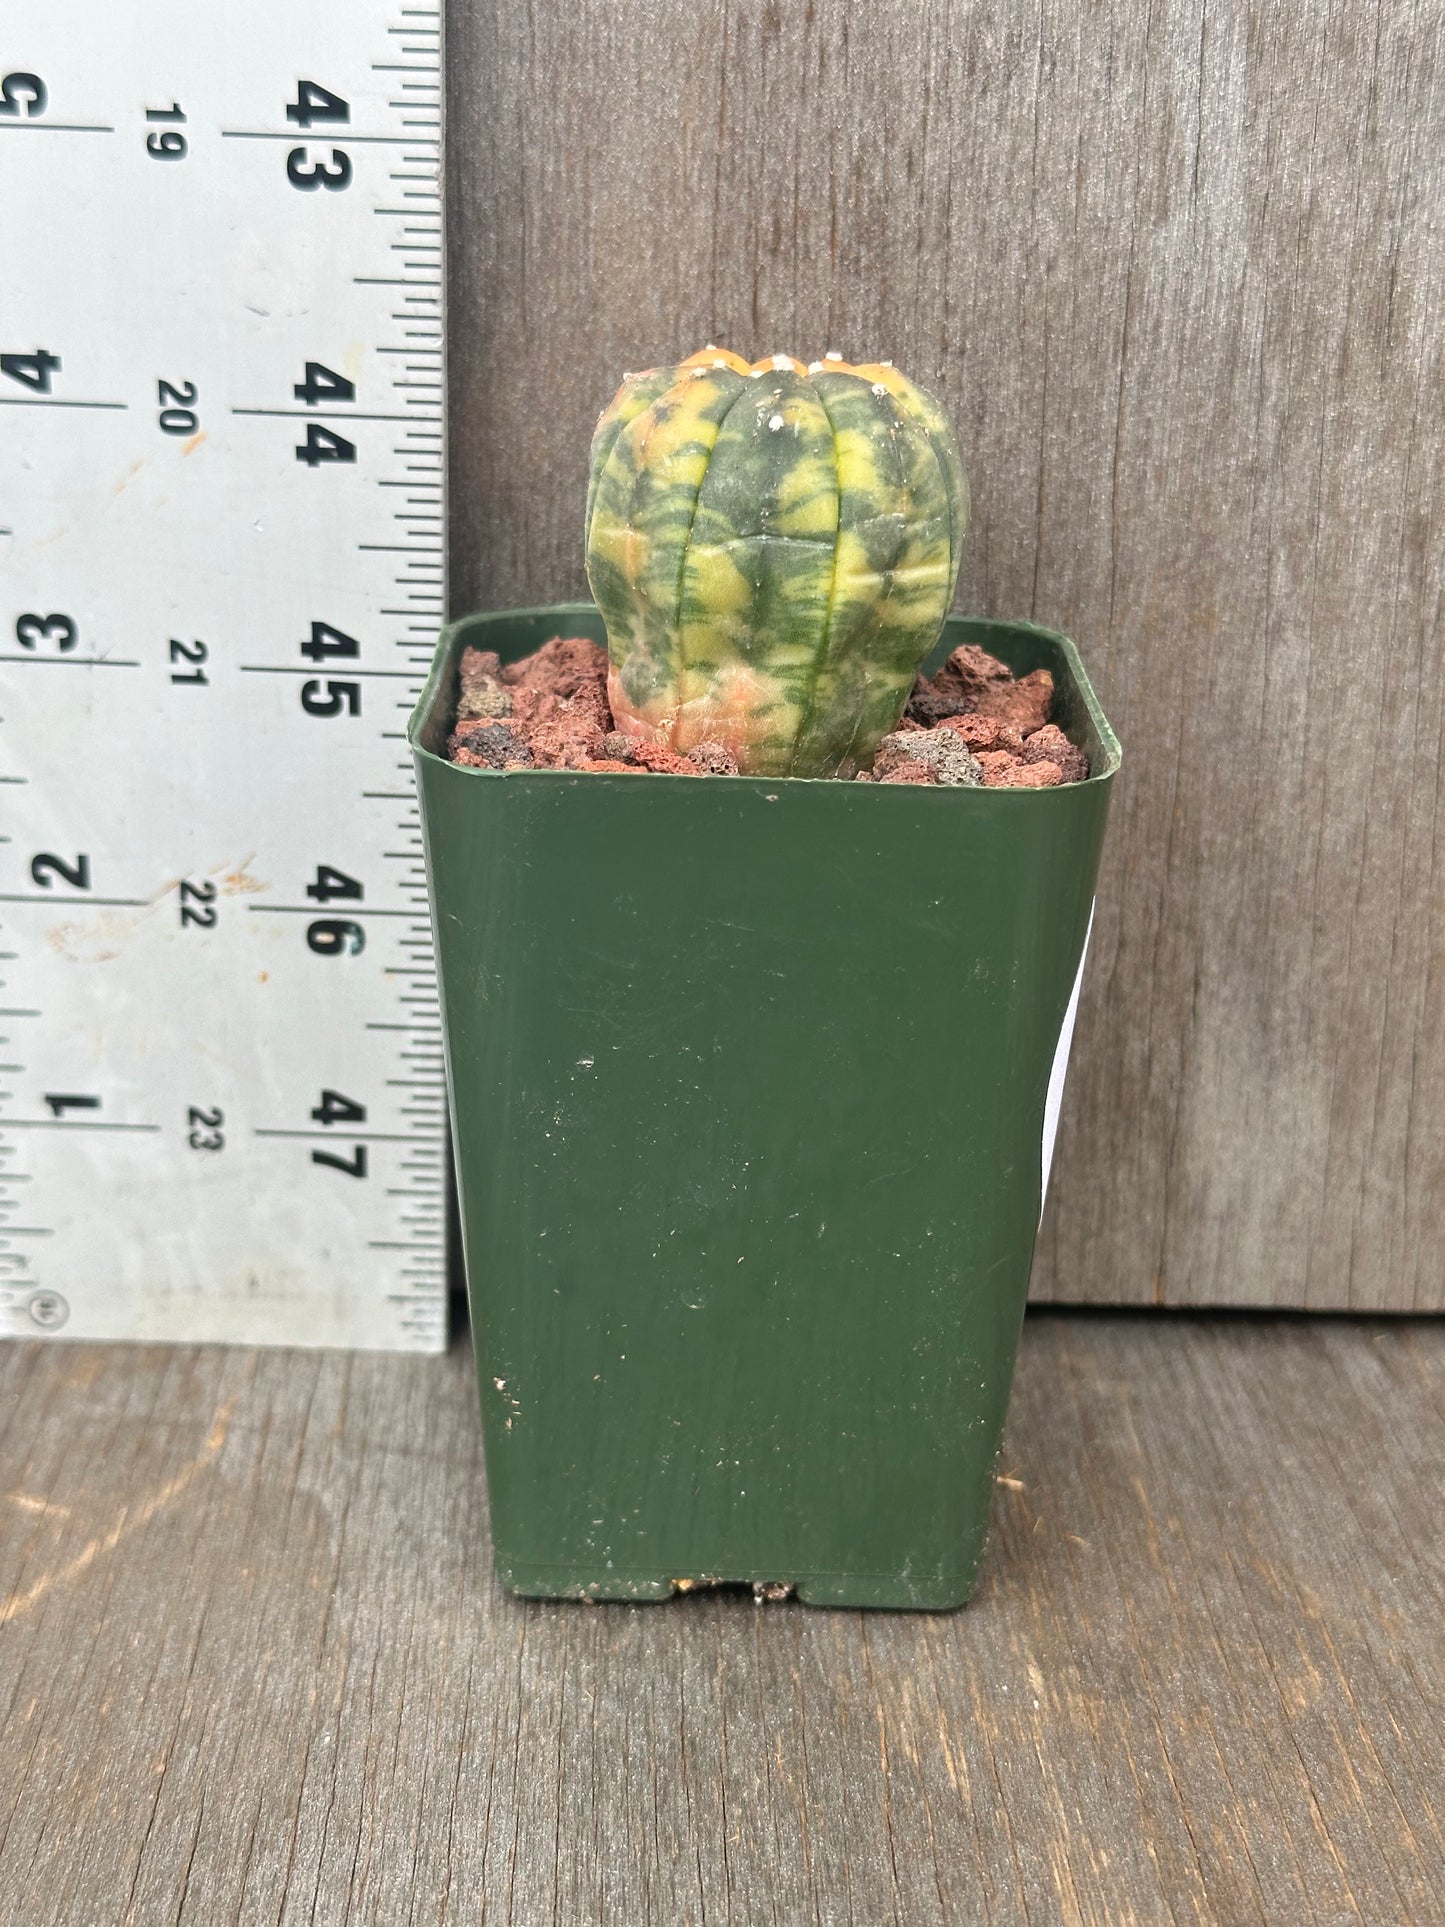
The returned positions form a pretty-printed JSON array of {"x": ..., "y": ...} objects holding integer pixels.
[
  {"x": 1178, "y": 270},
  {"x": 254, "y": 1666}
]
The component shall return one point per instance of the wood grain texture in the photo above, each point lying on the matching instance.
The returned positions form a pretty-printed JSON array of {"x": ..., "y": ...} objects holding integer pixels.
[
  {"x": 254, "y": 1666},
  {"x": 1177, "y": 272}
]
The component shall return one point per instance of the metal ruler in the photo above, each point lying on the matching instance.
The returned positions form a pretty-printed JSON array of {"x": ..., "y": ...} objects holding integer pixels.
[{"x": 221, "y": 448}]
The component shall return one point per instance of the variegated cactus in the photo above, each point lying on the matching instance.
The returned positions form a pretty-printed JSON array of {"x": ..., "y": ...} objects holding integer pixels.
[{"x": 774, "y": 548}]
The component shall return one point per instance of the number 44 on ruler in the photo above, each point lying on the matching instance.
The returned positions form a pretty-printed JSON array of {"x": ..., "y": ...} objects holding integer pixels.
[{"x": 221, "y": 1099}]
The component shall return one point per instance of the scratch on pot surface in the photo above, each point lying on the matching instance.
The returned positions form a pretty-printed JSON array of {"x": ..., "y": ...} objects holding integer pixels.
[{"x": 130, "y": 1520}]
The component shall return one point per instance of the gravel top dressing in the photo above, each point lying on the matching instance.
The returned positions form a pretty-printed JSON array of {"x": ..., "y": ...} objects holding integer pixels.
[{"x": 974, "y": 723}]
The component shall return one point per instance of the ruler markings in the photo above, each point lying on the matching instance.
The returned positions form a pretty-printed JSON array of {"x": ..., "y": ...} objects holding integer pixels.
[
  {"x": 55, "y": 401},
  {"x": 289, "y": 669},
  {"x": 317, "y": 245},
  {"x": 319, "y": 415},
  {"x": 359, "y": 1137},
  {"x": 367, "y": 140},
  {"x": 77, "y": 902},
  {"x": 353, "y": 910}
]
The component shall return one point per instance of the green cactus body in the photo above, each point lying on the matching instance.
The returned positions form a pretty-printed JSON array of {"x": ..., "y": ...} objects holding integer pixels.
[{"x": 774, "y": 549}]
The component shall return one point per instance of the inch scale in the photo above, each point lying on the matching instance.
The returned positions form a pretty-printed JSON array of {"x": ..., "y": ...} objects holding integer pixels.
[{"x": 222, "y": 1111}]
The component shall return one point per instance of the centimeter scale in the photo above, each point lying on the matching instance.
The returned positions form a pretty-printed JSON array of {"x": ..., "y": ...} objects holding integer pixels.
[{"x": 222, "y": 1111}]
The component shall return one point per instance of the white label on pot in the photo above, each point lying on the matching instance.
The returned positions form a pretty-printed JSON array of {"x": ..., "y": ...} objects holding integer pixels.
[
  {"x": 221, "y": 1098},
  {"x": 1054, "y": 1101}
]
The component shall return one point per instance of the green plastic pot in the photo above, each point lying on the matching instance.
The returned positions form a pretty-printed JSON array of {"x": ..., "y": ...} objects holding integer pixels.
[{"x": 748, "y": 1082}]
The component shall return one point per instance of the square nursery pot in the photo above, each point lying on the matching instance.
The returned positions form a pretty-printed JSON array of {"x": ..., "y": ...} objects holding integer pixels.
[{"x": 752, "y": 1086}]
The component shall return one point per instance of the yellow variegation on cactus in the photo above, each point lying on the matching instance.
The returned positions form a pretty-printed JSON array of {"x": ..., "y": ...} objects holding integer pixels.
[{"x": 773, "y": 548}]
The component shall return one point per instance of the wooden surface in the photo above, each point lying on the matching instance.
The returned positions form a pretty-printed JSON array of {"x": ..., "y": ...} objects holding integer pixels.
[
  {"x": 1177, "y": 271},
  {"x": 254, "y": 1667}
]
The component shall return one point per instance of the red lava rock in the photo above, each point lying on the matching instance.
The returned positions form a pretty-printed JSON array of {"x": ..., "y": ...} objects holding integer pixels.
[
  {"x": 560, "y": 667},
  {"x": 489, "y": 745},
  {"x": 1051, "y": 745},
  {"x": 565, "y": 734},
  {"x": 531, "y": 706},
  {"x": 713, "y": 759},
  {"x": 929, "y": 705},
  {"x": 662, "y": 761},
  {"x": 593, "y": 696},
  {"x": 1022, "y": 706},
  {"x": 609, "y": 766},
  {"x": 983, "y": 732},
  {"x": 993, "y": 763},
  {"x": 562, "y": 731},
  {"x": 890, "y": 754},
  {"x": 557, "y": 717},
  {"x": 968, "y": 673},
  {"x": 938, "y": 749},
  {"x": 1010, "y": 774},
  {"x": 479, "y": 665},
  {"x": 972, "y": 682},
  {"x": 1025, "y": 703},
  {"x": 907, "y": 771}
]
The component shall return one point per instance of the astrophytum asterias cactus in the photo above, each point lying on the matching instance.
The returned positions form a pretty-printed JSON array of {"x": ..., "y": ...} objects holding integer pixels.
[{"x": 774, "y": 548}]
